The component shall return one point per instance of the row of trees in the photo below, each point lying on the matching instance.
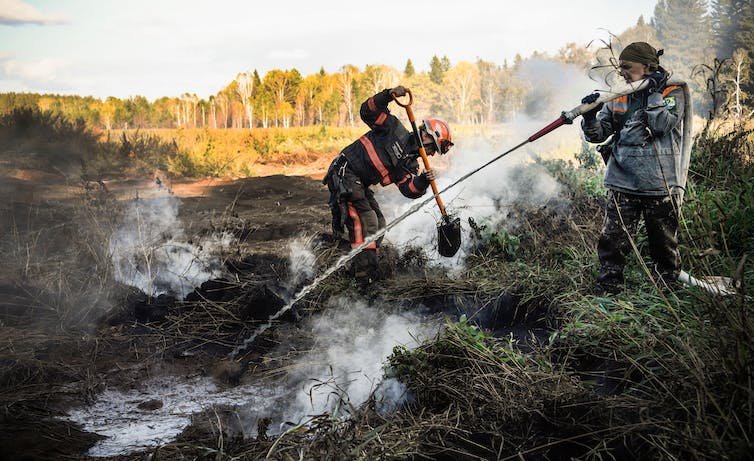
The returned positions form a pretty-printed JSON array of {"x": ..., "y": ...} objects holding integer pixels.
[
  {"x": 480, "y": 92},
  {"x": 712, "y": 48},
  {"x": 711, "y": 43}
]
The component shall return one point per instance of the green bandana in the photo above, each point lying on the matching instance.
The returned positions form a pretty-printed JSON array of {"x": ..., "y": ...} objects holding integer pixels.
[{"x": 641, "y": 52}]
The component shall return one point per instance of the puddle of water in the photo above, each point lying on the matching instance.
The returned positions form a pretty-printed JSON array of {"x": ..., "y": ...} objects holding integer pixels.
[
  {"x": 128, "y": 428},
  {"x": 344, "y": 364}
]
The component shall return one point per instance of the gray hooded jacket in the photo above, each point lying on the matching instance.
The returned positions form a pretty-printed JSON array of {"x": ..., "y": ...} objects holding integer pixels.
[{"x": 646, "y": 157}]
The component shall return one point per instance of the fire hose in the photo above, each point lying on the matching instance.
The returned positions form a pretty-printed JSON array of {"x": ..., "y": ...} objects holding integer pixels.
[{"x": 566, "y": 117}]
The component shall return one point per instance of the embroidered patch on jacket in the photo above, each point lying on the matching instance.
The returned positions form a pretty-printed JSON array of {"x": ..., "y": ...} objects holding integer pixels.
[{"x": 670, "y": 102}]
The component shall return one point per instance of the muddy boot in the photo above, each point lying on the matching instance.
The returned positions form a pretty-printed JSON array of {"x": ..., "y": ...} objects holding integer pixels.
[
  {"x": 364, "y": 268},
  {"x": 609, "y": 282}
]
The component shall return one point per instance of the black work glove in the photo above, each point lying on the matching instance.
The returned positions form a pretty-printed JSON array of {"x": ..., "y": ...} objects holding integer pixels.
[
  {"x": 588, "y": 99},
  {"x": 656, "y": 81},
  {"x": 398, "y": 91},
  {"x": 422, "y": 181}
]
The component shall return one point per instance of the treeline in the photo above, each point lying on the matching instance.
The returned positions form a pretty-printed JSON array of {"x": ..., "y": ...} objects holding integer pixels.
[
  {"x": 469, "y": 93},
  {"x": 712, "y": 50}
]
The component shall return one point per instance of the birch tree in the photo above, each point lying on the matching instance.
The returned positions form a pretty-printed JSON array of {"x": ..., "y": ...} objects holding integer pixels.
[
  {"x": 306, "y": 99},
  {"x": 108, "y": 111},
  {"x": 283, "y": 86},
  {"x": 377, "y": 77},
  {"x": 264, "y": 105},
  {"x": 489, "y": 90},
  {"x": 326, "y": 100},
  {"x": 213, "y": 111},
  {"x": 224, "y": 104},
  {"x": 346, "y": 79},
  {"x": 245, "y": 88},
  {"x": 462, "y": 87},
  {"x": 737, "y": 76}
]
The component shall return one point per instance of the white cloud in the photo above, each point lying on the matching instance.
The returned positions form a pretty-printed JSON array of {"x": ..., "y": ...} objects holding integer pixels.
[
  {"x": 42, "y": 71},
  {"x": 16, "y": 12}
]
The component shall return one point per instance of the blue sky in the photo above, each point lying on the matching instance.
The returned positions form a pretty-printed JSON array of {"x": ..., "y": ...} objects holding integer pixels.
[{"x": 169, "y": 47}]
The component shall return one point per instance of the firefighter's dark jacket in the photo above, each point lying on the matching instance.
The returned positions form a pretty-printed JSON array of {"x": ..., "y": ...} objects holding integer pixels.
[{"x": 388, "y": 152}]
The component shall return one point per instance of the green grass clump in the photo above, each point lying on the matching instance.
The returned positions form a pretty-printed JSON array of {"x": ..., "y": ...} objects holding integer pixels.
[{"x": 650, "y": 373}]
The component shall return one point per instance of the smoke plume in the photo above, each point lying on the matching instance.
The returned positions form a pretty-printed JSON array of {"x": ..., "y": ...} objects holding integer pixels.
[
  {"x": 487, "y": 195},
  {"x": 301, "y": 262},
  {"x": 151, "y": 252},
  {"x": 344, "y": 365}
]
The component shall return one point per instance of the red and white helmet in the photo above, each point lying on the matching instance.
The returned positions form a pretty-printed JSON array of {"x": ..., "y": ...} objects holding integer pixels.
[{"x": 440, "y": 134}]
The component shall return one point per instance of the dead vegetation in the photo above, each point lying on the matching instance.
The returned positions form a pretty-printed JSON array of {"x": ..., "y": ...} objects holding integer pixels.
[{"x": 643, "y": 375}]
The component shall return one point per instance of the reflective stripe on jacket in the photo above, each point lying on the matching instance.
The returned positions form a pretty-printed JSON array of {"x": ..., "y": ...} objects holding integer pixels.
[
  {"x": 387, "y": 153},
  {"x": 647, "y": 143}
]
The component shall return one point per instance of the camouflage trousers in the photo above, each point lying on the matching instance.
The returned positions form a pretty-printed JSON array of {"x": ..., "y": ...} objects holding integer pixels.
[{"x": 660, "y": 214}]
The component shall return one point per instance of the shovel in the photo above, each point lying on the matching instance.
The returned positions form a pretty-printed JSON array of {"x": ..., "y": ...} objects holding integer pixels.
[{"x": 449, "y": 229}]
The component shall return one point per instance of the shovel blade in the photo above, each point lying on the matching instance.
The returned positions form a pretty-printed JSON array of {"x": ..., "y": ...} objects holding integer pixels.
[{"x": 449, "y": 236}]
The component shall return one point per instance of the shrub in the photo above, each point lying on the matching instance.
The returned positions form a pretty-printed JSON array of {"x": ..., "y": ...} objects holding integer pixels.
[
  {"x": 46, "y": 140},
  {"x": 720, "y": 198}
]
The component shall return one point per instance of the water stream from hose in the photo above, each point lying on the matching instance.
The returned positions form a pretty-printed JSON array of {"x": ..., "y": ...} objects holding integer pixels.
[
  {"x": 565, "y": 118},
  {"x": 354, "y": 251},
  {"x": 338, "y": 264}
]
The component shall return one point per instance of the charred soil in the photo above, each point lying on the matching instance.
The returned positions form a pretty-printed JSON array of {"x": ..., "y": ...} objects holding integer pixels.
[{"x": 70, "y": 332}]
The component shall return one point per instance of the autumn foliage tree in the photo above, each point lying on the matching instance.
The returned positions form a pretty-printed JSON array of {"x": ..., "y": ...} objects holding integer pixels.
[{"x": 480, "y": 92}]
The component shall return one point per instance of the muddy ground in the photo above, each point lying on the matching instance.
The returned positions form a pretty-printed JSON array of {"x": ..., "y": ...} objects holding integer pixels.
[
  {"x": 70, "y": 332},
  {"x": 52, "y": 357}
]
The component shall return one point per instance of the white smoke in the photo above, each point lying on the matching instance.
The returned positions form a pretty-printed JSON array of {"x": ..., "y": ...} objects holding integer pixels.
[
  {"x": 345, "y": 364},
  {"x": 340, "y": 371},
  {"x": 150, "y": 250},
  {"x": 301, "y": 261},
  {"x": 486, "y": 195},
  {"x": 555, "y": 87}
]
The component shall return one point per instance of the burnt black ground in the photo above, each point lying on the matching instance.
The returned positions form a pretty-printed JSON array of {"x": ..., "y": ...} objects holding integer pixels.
[
  {"x": 54, "y": 354},
  {"x": 51, "y": 359}
]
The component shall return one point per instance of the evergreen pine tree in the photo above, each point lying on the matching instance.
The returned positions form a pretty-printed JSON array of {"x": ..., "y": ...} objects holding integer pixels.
[
  {"x": 641, "y": 32},
  {"x": 445, "y": 64},
  {"x": 725, "y": 17},
  {"x": 409, "y": 71},
  {"x": 733, "y": 29},
  {"x": 683, "y": 29},
  {"x": 435, "y": 70},
  {"x": 257, "y": 80}
]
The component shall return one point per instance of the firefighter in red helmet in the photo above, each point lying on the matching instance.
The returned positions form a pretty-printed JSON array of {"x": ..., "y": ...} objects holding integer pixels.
[{"x": 387, "y": 154}]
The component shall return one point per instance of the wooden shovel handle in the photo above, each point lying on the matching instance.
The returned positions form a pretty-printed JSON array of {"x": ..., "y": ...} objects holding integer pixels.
[{"x": 423, "y": 152}]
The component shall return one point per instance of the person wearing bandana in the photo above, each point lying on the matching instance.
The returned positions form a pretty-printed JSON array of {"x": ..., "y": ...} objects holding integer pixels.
[{"x": 643, "y": 168}]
